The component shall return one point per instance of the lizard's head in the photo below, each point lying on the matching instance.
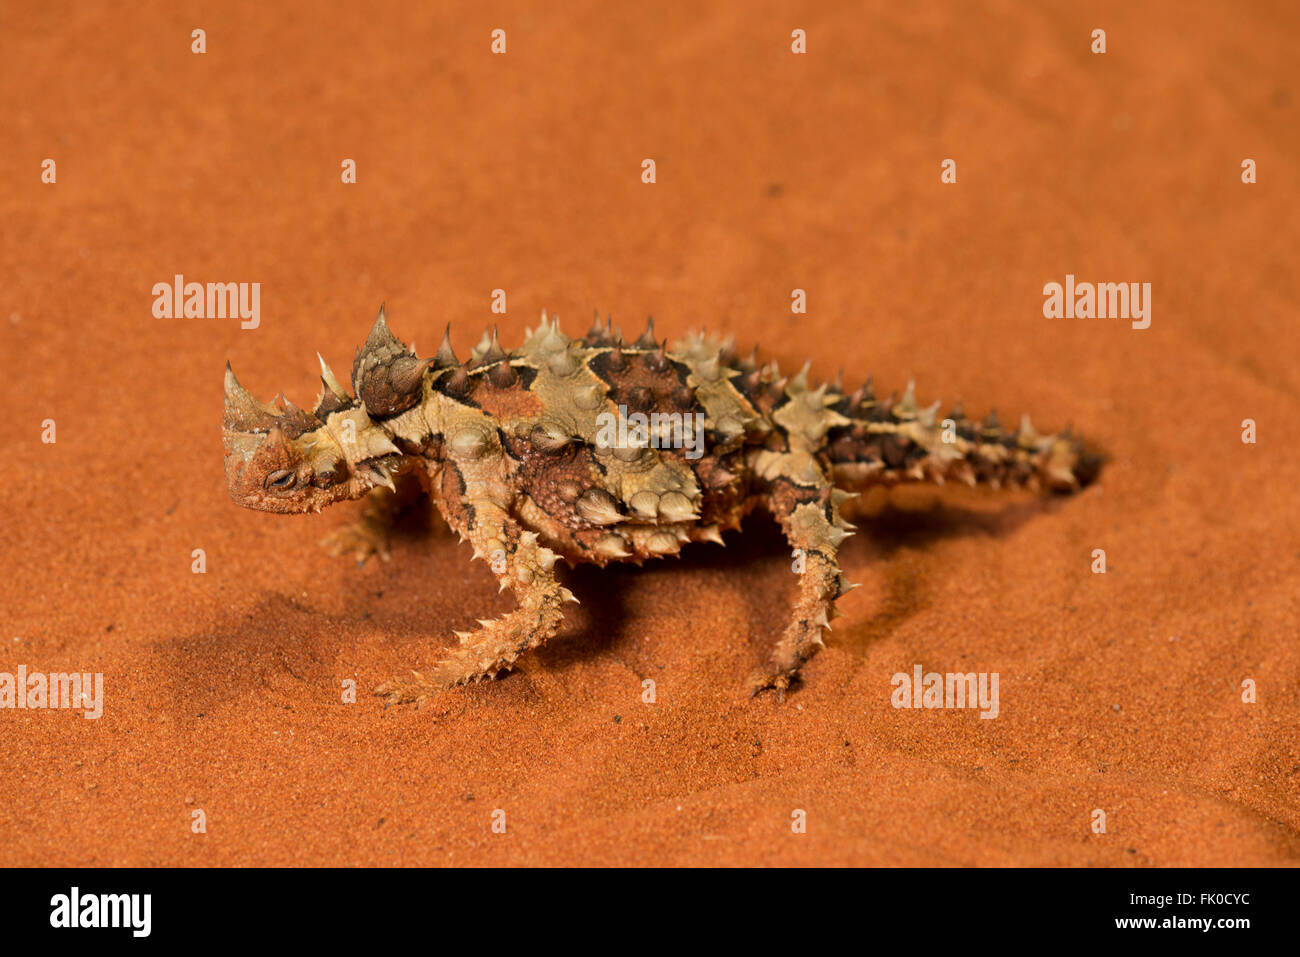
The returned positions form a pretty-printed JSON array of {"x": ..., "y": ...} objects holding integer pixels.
[
  {"x": 283, "y": 459},
  {"x": 289, "y": 460}
]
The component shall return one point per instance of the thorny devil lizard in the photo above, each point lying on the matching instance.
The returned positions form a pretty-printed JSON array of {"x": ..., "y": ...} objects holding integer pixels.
[{"x": 510, "y": 447}]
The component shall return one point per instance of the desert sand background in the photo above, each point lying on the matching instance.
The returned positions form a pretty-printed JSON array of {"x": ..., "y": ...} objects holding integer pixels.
[{"x": 775, "y": 171}]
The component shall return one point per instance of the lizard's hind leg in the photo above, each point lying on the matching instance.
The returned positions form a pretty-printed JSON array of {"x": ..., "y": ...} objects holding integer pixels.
[
  {"x": 808, "y": 512},
  {"x": 521, "y": 564}
]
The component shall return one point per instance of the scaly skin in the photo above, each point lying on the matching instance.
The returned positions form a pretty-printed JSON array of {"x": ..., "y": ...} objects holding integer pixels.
[{"x": 515, "y": 458}]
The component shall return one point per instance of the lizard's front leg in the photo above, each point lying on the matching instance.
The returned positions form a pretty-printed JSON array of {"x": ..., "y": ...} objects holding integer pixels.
[
  {"x": 808, "y": 512},
  {"x": 521, "y": 564},
  {"x": 369, "y": 534}
]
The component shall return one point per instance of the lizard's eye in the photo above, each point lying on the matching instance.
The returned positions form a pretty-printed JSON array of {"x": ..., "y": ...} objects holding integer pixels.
[{"x": 281, "y": 479}]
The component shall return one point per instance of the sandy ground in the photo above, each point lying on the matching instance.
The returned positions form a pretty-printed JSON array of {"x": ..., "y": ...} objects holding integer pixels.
[{"x": 1119, "y": 692}]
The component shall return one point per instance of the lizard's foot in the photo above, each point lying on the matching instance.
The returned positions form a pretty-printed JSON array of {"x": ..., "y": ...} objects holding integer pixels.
[
  {"x": 766, "y": 678},
  {"x": 404, "y": 690},
  {"x": 801, "y": 641},
  {"x": 358, "y": 540},
  {"x": 417, "y": 688},
  {"x": 483, "y": 654}
]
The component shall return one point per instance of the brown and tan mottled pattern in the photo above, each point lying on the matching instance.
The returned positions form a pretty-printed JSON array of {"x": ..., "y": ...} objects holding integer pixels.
[{"x": 507, "y": 446}]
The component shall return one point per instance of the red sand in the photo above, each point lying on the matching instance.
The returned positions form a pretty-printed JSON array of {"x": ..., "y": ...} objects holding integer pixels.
[{"x": 1119, "y": 691}]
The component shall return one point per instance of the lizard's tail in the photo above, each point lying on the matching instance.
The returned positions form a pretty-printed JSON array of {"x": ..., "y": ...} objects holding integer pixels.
[{"x": 895, "y": 440}]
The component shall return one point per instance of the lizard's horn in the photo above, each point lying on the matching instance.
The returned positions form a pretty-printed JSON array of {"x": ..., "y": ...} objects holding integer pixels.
[
  {"x": 647, "y": 340},
  {"x": 243, "y": 412},
  {"x": 329, "y": 380},
  {"x": 296, "y": 421},
  {"x": 446, "y": 357},
  {"x": 333, "y": 396},
  {"x": 387, "y": 376}
]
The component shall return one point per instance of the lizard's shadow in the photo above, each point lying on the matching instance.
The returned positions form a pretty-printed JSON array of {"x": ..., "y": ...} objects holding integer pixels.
[
  {"x": 280, "y": 643},
  {"x": 604, "y": 622}
]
